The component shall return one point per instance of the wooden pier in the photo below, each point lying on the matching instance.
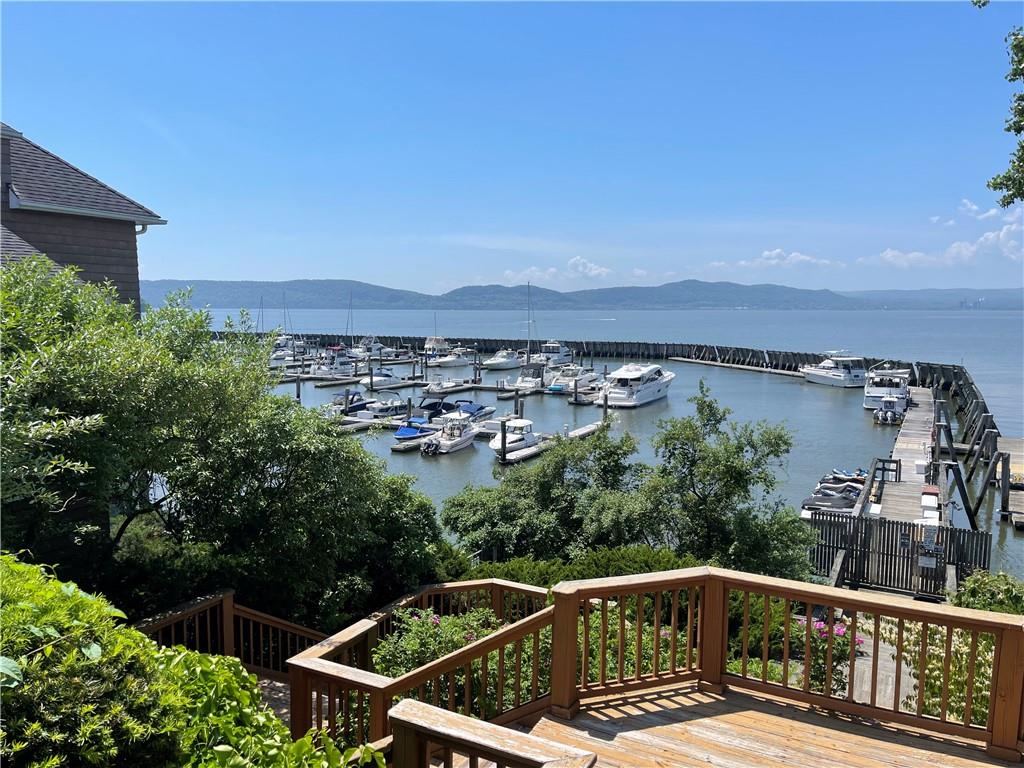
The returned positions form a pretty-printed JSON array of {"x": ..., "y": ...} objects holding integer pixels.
[
  {"x": 547, "y": 441},
  {"x": 738, "y": 366},
  {"x": 900, "y": 499},
  {"x": 1014, "y": 447}
]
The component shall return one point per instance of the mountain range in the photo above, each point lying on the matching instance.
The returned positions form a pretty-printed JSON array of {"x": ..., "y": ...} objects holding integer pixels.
[{"x": 683, "y": 294}]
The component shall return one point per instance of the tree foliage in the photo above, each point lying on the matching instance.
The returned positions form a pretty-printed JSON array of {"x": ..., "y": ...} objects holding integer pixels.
[
  {"x": 150, "y": 461},
  {"x": 710, "y": 496},
  {"x": 1011, "y": 181}
]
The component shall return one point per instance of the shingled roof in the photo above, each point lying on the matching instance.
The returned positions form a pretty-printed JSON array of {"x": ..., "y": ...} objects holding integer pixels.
[{"x": 41, "y": 181}]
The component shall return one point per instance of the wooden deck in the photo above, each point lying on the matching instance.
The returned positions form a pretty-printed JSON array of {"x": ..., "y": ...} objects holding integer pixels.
[
  {"x": 685, "y": 727},
  {"x": 902, "y": 500}
]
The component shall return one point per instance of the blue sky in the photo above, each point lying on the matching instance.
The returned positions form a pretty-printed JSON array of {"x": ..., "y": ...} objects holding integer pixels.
[{"x": 430, "y": 146}]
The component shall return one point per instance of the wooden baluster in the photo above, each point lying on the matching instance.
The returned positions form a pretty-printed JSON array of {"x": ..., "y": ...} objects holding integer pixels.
[
  {"x": 319, "y": 707},
  {"x": 535, "y": 683},
  {"x": 674, "y": 644},
  {"x": 947, "y": 660},
  {"x": 876, "y": 639},
  {"x": 692, "y": 630},
  {"x": 764, "y": 637},
  {"x": 622, "y": 639},
  {"x": 585, "y": 661},
  {"x": 638, "y": 664},
  {"x": 972, "y": 660},
  {"x": 451, "y": 691},
  {"x": 922, "y": 668},
  {"x": 332, "y": 708},
  {"x": 808, "y": 620},
  {"x": 851, "y": 634},
  {"x": 899, "y": 666},
  {"x": 656, "y": 651},
  {"x": 483, "y": 686},
  {"x": 447, "y": 756},
  {"x": 604, "y": 640},
  {"x": 500, "y": 692},
  {"x": 435, "y": 691},
  {"x": 346, "y": 714},
  {"x": 746, "y": 630},
  {"x": 467, "y": 690},
  {"x": 830, "y": 626},
  {"x": 785, "y": 641},
  {"x": 519, "y": 672}
]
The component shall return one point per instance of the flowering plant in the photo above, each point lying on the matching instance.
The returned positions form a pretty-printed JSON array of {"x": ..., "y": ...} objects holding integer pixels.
[
  {"x": 823, "y": 673},
  {"x": 421, "y": 636}
]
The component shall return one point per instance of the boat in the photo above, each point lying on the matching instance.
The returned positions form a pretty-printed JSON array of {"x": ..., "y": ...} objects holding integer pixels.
[
  {"x": 519, "y": 434},
  {"x": 333, "y": 362},
  {"x": 476, "y": 412},
  {"x": 891, "y": 410},
  {"x": 884, "y": 381},
  {"x": 836, "y": 370},
  {"x": 827, "y": 501},
  {"x": 533, "y": 377},
  {"x": 635, "y": 384},
  {"x": 386, "y": 405},
  {"x": 555, "y": 354},
  {"x": 436, "y": 346},
  {"x": 348, "y": 403},
  {"x": 572, "y": 377},
  {"x": 457, "y": 432},
  {"x": 452, "y": 359},
  {"x": 439, "y": 386},
  {"x": 503, "y": 360},
  {"x": 369, "y": 348},
  {"x": 382, "y": 378},
  {"x": 413, "y": 429}
]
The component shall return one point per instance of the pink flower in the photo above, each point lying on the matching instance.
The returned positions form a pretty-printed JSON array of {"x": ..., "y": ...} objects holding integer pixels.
[
  {"x": 840, "y": 629},
  {"x": 860, "y": 641},
  {"x": 819, "y": 624},
  {"x": 435, "y": 620},
  {"x": 470, "y": 637},
  {"x": 666, "y": 634}
]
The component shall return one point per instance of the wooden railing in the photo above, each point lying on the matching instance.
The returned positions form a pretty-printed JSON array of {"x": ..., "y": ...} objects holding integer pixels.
[
  {"x": 935, "y": 667},
  {"x": 216, "y": 624},
  {"x": 334, "y": 686},
  {"x": 420, "y": 731}
]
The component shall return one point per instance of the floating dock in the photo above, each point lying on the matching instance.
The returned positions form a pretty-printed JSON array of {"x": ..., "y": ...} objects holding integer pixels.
[
  {"x": 739, "y": 367},
  {"x": 547, "y": 441}
]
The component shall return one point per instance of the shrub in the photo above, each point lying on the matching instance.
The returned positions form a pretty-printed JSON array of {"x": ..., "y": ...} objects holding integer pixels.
[{"x": 421, "y": 636}]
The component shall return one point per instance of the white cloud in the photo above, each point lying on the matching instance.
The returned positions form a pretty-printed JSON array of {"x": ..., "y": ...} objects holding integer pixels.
[
  {"x": 934, "y": 219},
  {"x": 639, "y": 272},
  {"x": 999, "y": 243},
  {"x": 531, "y": 275},
  {"x": 972, "y": 210},
  {"x": 777, "y": 257},
  {"x": 949, "y": 223},
  {"x": 991, "y": 213},
  {"x": 585, "y": 268}
]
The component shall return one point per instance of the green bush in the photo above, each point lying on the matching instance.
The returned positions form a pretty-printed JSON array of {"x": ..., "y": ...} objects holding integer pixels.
[
  {"x": 79, "y": 688},
  {"x": 421, "y": 636}
]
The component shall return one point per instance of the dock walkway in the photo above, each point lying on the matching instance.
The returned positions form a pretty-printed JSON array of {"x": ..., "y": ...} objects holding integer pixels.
[{"x": 902, "y": 500}]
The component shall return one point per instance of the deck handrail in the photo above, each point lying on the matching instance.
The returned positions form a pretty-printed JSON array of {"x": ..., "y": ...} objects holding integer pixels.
[{"x": 417, "y": 726}]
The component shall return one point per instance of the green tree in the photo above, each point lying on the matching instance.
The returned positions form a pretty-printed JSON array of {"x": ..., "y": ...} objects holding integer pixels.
[
  {"x": 150, "y": 460},
  {"x": 1011, "y": 181}
]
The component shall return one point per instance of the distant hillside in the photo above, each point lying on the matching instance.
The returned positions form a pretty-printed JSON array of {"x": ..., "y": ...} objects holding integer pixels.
[
  {"x": 944, "y": 298},
  {"x": 334, "y": 294}
]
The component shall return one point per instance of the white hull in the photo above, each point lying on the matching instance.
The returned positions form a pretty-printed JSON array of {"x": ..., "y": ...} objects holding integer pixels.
[
  {"x": 502, "y": 365},
  {"x": 636, "y": 396},
  {"x": 447, "y": 362},
  {"x": 845, "y": 382},
  {"x": 448, "y": 445},
  {"x": 381, "y": 382},
  {"x": 874, "y": 402},
  {"x": 512, "y": 443}
]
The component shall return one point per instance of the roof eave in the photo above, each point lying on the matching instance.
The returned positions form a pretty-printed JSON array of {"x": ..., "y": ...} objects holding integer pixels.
[{"x": 16, "y": 201}]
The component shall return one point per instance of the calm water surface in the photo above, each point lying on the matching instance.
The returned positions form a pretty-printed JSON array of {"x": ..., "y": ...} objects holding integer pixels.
[{"x": 830, "y": 427}]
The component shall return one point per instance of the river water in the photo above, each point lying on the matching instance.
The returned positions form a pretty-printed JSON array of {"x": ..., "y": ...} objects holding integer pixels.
[{"x": 830, "y": 427}]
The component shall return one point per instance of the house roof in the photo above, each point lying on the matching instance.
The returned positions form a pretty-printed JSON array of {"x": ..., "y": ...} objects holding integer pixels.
[
  {"x": 13, "y": 246},
  {"x": 41, "y": 181}
]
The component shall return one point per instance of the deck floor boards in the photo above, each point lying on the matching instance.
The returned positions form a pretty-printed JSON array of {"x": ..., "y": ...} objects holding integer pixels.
[{"x": 686, "y": 727}]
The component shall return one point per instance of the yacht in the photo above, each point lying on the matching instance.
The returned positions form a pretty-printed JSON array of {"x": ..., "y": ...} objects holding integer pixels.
[
  {"x": 635, "y": 384},
  {"x": 572, "y": 377},
  {"x": 533, "y": 377},
  {"x": 439, "y": 386},
  {"x": 413, "y": 429},
  {"x": 836, "y": 371},
  {"x": 369, "y": 348},
  {"x": 436, "y": 346},
  {"x": 348, "y": 403},
  {"x": 381, "y": 378},
  {"x": 452, "y": 359},
  {"x": 457, "y": 432},
  {"x": 477, "y": 413},
  {"x": 333, "y": 362},
  {"x": 519, "y": 434},
  {"x": 386, "y": 405},
  {"x": 555, "y": 353},
  {"x": 503, "y": 360},
  {"x": 886, "y": 382}
]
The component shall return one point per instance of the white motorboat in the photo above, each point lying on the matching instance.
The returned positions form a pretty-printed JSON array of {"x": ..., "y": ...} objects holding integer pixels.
[
  {"x": 453, "y": 359},
  {"x": 369, "y": 348},
  {"x": 573, "y": 377},
  {"x": 503, "y": 360},
  {"x": 386, "y": 405},
  {"x": 381, "y": 378},
  {"x": 555, "y": 353},
  {"x": 347, "y": 404},
  {"x": 477, "y": 413},
  {"x": 532, "y": 377},
  {"x": 439, "y": 386},
  {"x": 635, "y": 384},
  {"x": 333, "y": 362},
  {"x": 457, "y": 432},
  {"x": 886, "y": 382},
  {"x": 891, "y": 410},
  {"x": 519, "y": 434},
  {"x": 836, "y": 370},
  {"x": 436, "y": 346}
]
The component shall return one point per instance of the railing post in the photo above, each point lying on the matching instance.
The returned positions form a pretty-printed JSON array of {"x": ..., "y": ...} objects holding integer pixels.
[
  {"x": 379, "y": 716},
  {"x": 300, "y": 702},
  {"x": 565, "y": 697},
  {"x": 408, "y": 750},
  {"x": 713, "y": 625},
  {"x": 227, "y": 612},
  {"x": 498, "y": 600},
  {"x": 1006, "y": 703}
]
